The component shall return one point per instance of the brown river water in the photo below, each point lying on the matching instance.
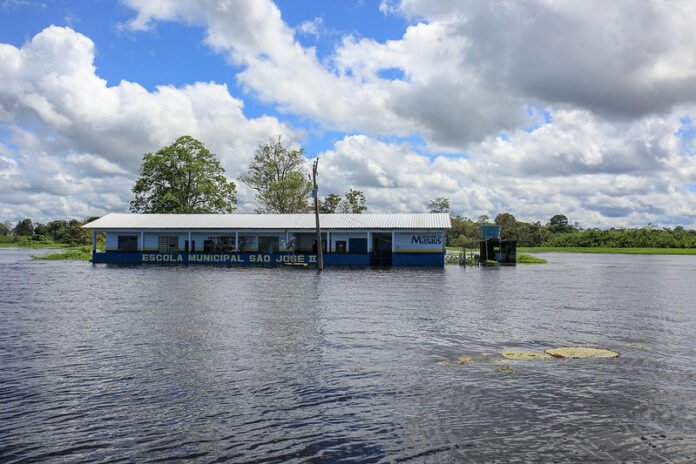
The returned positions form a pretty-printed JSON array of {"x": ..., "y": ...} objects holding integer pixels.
[{"x": 251, "y": 364}]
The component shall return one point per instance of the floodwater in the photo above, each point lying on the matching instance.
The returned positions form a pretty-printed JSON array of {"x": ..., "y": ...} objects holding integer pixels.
[{"x": 199, "y": 364}]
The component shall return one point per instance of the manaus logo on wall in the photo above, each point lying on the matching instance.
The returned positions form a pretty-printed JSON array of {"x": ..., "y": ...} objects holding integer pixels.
[{"x": 426, "y": 239}]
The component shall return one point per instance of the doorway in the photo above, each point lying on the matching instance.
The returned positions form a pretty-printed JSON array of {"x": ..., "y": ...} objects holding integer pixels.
[{"x": 381, "y": 250}]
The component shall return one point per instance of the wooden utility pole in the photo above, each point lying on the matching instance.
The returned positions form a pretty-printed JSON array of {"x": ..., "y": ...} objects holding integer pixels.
[{"x": 315, "y": 195}]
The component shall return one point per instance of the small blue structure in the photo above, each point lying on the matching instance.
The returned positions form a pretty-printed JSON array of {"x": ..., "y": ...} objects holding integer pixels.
[
  {"x": 490, "y": 232},
  {"x": 272, "y": 239}
]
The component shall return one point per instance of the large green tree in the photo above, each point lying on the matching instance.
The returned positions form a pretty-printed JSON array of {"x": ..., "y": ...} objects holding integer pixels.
[
  {"x": 183, "y": 178},
  {"x": 278, "y": 175}
]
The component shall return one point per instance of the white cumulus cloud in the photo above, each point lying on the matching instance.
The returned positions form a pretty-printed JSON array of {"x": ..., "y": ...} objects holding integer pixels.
[{"x": 74, "y": 142}]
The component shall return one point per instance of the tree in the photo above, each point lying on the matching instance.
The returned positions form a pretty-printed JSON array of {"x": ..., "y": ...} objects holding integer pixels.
[
  {"x": 183, "y": 178},
  {"x": 24, "y": 228},
  {"x": 41, "y": 230},
  {"x": 278, "y": 175},
  {"x": 75, "y": 234},
  {"x": 57, "y": 230},
  {"x": 439, "y": 205},
  {"x": 508, "y": 226},
  {"x": 330, "y": 204},
  {"x": 464, "y": 231},
  {"x": 354, "y": 202},
  {"x": 4, "y": 230},
  {"x": 558, "y": 224}
]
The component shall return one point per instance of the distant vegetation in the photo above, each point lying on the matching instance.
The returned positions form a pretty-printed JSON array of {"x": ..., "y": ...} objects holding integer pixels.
[
  {"x": 625, "y": 251},
  {"x": 645, "y": 237},
  {"x": 55, "y": 234},
  {"x": 557, "y": 232}
]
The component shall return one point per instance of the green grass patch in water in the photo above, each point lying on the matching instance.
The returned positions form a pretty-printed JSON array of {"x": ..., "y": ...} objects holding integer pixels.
[
  {"x": 627, "y": 251},
  {"x": 523, "y": 258},
  {"x": 73, "y": 254}
]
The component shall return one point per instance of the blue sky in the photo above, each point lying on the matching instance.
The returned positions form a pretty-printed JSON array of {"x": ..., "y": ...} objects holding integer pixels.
[
  {"x": 492, "y": 104},
  {"x": 174, "y": 53}
]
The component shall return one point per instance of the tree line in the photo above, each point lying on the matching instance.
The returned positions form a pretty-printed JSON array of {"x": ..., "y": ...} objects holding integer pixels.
[
  {"x": 63, "y": 231},
  {"x": 464, "y": 232},
  {"x": 557, "y": 232},
  {"x": 644, "y": 237}
]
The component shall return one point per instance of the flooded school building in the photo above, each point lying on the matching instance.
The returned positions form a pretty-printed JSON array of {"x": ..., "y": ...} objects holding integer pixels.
[{"x": 272, "y": 239}]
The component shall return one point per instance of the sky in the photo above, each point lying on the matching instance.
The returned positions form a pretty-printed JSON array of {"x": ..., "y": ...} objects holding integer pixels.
[{"x": 585, "y": 108}]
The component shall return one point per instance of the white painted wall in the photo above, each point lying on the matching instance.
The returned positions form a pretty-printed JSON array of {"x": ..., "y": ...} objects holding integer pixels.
[
  {"x": 151, "y": 241},
  {"x": 426, "y": 241}
]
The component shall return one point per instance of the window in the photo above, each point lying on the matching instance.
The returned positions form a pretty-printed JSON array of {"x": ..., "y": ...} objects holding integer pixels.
[
  {"x": 222, "y": 244},
  {"x": 306, "y": 242},
  {"x": 269, "y": 244},
  {"x": 168, "y": 243},
  {"x": 340, "y": 246},
  {"x": 248, "y": 243},
  {"x": 127, "y": 243}
]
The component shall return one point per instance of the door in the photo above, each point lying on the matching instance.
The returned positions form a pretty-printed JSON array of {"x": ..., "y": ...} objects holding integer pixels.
[{"x": 381, "y": 250}]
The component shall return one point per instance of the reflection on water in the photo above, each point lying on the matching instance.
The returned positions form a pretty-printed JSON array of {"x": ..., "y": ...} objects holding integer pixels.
[{"x": 286, "y": 365}]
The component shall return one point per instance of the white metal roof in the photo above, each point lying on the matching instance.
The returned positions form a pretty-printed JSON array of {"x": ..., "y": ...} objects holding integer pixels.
[{"x": 271, "y": 221}]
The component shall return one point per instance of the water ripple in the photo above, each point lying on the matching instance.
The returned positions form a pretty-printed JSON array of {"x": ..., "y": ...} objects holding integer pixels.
[{"x": 108, "y": 364}]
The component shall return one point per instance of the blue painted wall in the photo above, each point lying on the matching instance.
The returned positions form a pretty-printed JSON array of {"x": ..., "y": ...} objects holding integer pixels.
[
  {"x": 334, "y": 259},
  {"x": 114, "y": 257},
  {"x": 418, "y": 259}
]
